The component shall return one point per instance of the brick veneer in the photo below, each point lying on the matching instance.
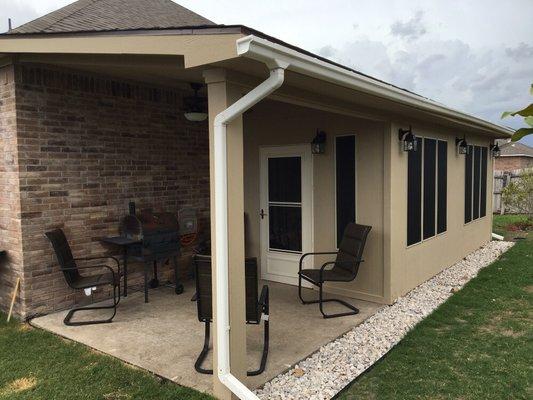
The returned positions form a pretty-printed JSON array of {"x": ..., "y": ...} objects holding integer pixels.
[
  {"x": 511, "y": 163},
  {"x": 10, "y": 221},
  {"x": 86, "y": 146}
]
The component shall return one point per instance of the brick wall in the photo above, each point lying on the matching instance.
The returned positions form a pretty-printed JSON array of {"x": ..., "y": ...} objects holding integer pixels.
[
  {"x": 87, "y": 145},
  {"x": 512, "y": 163},
  {"x": 10, "y": 226}
]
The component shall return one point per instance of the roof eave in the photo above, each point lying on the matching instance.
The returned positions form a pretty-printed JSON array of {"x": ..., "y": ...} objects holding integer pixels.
[{"x": 265, "y": 51}]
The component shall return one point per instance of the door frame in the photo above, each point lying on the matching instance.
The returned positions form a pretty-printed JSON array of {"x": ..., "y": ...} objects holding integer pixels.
[{"x": 303, "y": 151}]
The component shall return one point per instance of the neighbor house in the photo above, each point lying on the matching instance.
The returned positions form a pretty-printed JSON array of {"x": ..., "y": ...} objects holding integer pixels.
[
  {"x": 513, "y": 156},
  {"x": 93, "y": 100}
]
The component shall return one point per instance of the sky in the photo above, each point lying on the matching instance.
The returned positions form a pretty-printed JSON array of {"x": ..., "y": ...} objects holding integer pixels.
[{"x": 472, "y": 55}]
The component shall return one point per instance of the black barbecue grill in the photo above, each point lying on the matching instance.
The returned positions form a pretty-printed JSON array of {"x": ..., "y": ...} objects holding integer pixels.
[{"x": 150, "y": 238}]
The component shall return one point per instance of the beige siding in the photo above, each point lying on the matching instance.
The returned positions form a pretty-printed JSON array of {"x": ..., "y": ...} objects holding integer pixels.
[
  {"x": 271, "y": 123},
  {"x": 418, "y": 263}
]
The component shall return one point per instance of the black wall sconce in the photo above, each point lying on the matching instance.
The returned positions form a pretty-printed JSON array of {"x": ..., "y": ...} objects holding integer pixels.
[
  {"x": 318, "y": 145},
  {"x": 408, "y": 139},
  {"x": 495, "y": 150},
  {"x": 462, "y": 145}
]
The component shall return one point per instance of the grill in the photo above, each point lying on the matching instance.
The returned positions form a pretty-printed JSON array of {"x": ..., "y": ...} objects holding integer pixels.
[{"x": 154, "y": 238}]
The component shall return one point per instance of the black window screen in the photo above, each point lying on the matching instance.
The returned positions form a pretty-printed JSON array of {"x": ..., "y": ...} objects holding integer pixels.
[
  {"x": 430, "y": 160},
  {"x": 345, "y": 182},
  {"x": 483, "y": 200},
  {"x": 468, "y": 184},
  {"x": 442, "y": 182},
  {"x": 414, "y": 195},
  {"x": 477, "y": 182}
]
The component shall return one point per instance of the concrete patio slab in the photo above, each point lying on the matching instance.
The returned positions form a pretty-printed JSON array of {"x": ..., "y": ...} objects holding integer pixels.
[{"x": 165, "y": 336}]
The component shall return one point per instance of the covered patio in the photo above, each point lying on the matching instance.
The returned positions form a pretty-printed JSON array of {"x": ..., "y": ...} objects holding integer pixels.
[{"x": 165, "y": 336}]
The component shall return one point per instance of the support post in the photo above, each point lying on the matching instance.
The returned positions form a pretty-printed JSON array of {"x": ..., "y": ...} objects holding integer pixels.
[{"x": 221, "y": 94}]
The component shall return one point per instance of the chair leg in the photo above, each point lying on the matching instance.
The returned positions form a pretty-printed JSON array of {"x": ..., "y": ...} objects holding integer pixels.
[
  {"x": 179, "y": 286},
  {"x": 266, "y": 340},
  {"x": 321, "y": 302},
  {"x": 203, "y": 353},
  {"x": 70, "y": 314},
  {"x": 146, "y": 266}
]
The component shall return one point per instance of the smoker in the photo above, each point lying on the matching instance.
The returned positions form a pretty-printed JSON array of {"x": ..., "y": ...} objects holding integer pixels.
[{"x": 154, "y": 238}]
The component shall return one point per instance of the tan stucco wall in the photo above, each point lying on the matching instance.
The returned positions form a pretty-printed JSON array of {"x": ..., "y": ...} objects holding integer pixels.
[
  {"x": 413, "y": 265},
  {"x": 272, "y": 123}
]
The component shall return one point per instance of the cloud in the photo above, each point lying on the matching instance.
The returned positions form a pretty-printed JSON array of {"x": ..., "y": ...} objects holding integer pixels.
[
  {"x": 484, "y": 82},
  {"x": 521, "y": 52},
  {"x": 19, "y": 12},
  {"x": 412, "y": 29}
]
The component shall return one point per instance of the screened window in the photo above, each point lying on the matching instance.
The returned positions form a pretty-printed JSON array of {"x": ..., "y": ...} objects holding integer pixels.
[
  {"x": 345, "y": 182},
  {"x": 427, "y": 190},
  {"x": 475, "y": 183}
]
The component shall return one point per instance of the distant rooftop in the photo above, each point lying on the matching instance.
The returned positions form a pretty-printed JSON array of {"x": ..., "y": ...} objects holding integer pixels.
[
  {"x": 109, "y": 15},
  {"x": 515, "y": 149}
]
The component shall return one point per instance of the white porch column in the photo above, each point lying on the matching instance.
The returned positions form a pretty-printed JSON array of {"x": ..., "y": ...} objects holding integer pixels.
[{"x": 221, "y": 94}]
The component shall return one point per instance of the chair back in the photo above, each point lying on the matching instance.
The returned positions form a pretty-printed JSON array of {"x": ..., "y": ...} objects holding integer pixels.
[
  {"x": 351, "y": 248},
  {"x": 204, "y": 292},
  {"x": 63, "y": 255}
]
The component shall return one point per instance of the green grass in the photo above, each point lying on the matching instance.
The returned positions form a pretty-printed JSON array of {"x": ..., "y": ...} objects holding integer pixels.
[
  {"x": 37, "y": 365},
  {"x": 502, "y": 223},
  {"x": 477, "y": 345}
]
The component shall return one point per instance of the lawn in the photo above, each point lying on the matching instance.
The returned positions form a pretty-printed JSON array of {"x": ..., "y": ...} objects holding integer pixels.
[
  {"x": 37, "y": 365},
  {"x": 477, "y": 345}
]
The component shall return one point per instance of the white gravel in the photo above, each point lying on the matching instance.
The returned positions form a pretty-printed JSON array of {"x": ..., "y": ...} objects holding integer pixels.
[{"x": 335, "y": 365}]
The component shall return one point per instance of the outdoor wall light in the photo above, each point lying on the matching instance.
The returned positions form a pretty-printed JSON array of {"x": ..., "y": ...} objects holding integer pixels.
[
  {"x": 195, "y": 106},
  {"x": 408, "y": 139},
  {"x": 495, "y": 150},
  {"x": 462, "y": 145},
  {"x": 318, "y": 145}
]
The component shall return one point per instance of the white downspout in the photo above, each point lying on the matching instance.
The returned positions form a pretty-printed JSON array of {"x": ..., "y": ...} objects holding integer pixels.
[{"x": 277, "y": 75}]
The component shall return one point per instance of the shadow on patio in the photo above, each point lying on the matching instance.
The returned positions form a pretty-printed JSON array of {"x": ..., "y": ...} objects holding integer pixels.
[{"x": 165, "y": 336}]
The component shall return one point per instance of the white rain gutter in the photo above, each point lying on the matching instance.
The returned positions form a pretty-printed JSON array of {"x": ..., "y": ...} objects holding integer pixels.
[
  {"x": 263, "y": 50},
  {"x": 277, "y": 76}
]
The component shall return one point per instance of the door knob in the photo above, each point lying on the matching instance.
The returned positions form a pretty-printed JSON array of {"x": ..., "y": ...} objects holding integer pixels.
[{"x": 262, "y": 214}]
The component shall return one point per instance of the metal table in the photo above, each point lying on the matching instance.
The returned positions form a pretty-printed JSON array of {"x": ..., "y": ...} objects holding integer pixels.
[{"x": 124, "y": 243}]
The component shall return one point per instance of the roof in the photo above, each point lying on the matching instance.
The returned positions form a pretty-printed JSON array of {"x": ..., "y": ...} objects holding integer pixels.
[
  {"x": 106, "y": 15},
  {"x": 515, "y": 149}
]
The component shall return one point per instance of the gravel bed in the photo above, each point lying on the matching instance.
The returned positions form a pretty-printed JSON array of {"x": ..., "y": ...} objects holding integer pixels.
[{"x": 326, "y": 372}]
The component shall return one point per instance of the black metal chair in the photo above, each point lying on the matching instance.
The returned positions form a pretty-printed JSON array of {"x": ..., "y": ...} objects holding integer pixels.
[
  {"x": 76, "y": 280},
  {"x": 257, "y": 306},
  {"x": 345, "y": 268}
]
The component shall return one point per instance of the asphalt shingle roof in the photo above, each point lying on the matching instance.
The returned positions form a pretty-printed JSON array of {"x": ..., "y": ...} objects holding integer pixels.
[
  {"x": 109, "y": 15},
  {"x": 516, "y": 149}
]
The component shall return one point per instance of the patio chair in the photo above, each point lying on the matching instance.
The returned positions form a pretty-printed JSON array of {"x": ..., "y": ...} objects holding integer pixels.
[
  {"x": 257, "y": 306},
  {"x": 345, "y": 268},
  {"x": 76, "y": 280}
]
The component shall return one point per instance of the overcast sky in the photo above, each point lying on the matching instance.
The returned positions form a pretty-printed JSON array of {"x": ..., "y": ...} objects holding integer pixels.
[{"x": 475, "y": 55}]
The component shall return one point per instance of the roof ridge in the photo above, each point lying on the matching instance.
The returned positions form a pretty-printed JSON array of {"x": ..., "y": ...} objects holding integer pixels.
[
  {"x": 77, "y": 10},
  {"x": 76, "y": 5}
]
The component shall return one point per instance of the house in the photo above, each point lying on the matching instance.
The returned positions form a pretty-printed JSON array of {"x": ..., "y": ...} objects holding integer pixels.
[
  {"x": 92, "y": 104},
  {"x": 513, "y": 156}
]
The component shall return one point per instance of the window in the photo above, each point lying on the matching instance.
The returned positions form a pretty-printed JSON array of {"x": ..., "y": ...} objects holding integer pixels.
[
  {"x": 345, "y": 182},
  {"x": 427, "y": 190},
  {"x": 475, "y": 183}
]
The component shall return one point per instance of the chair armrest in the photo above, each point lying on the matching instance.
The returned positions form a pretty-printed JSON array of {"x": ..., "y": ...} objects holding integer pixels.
[
  {"x": 102, "y": 258},
  {"x": 312, "y": 254},
  {"x": 325, "y": 265},
  {"x": 91, "y": 267},
  {"x": 264, "y": 300}
]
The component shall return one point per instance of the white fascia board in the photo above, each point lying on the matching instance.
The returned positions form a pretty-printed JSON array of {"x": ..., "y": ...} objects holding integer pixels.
[{"x": 268, "y": 52}]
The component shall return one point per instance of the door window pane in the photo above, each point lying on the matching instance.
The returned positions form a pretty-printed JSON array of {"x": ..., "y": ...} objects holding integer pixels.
[
  {"x": 468, "y": 184},
  {"x": 477, "y": 182},
  {"x": 285, "y": 179},
  {"x": 483, "y": 202},
  {"x": 285, "y": 228}
]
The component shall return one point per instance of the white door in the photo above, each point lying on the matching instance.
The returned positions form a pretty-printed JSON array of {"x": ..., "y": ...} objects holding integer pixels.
[{"x": 286, "y": 210}]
